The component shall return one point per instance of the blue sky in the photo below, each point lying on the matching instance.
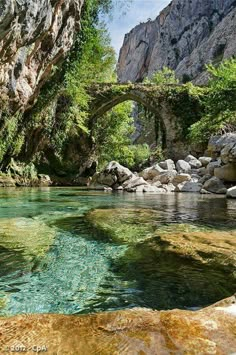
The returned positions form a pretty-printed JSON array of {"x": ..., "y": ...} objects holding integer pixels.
[{"x": 138, "y": 11}]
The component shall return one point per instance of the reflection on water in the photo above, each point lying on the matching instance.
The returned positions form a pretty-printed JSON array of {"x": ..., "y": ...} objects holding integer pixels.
[{"x": 53, "y": 259}]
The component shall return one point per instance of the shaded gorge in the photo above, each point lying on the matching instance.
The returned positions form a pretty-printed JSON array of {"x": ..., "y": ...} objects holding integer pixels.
[{"x": 67, "y": 250}]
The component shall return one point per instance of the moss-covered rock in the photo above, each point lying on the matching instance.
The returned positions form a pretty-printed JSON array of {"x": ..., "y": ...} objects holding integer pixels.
[{"x": 30, "y": 237}]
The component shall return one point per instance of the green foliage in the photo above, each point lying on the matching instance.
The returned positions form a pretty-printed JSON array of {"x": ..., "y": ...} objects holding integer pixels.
[
  {"x": 166, "y": 76},
  {"x": 112, "y": 134},
  {"x": 220, "y": 103}
]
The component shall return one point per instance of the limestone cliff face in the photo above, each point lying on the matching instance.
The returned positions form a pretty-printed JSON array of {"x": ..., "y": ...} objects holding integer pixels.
[
  {"x": 34, "y": 36},
  {"x": 185, "y": 36}
]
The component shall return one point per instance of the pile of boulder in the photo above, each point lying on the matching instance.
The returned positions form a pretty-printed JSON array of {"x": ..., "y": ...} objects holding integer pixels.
[{"x": 213, "y": 173}]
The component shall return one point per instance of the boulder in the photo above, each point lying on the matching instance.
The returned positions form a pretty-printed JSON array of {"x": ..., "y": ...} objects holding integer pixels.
[
  {"x": 6, "y": 181},
  {"x": 167, "y": 176},
  {"x": 152, "y": 172},
  {"x": 205, "y": 161},
  {"x": 193, "y": 162},
  {"x": 228, "y": 153},
  {"x": 122, "y": 173},
  {"x": 195, "y": 177},
  {"x": 44, "y": 180},
  {"x": 205, "y": 192},
  {"x": 182, "y": 166},
  {"x": 210, "y": 330},
  {"x": 179, "y": 178},
  {"x": 205, "y": 178},
  {"x": 134, "y": 182},
  {"x": 212, "y": 165},
  {"x": 150, "y": 188},
  {"x": 231, "y": 193},
  {"x": 168, "y": 164},
  {"x": 226, "y": 172},
  {"x": 215, "y": 185},
  {"x": 189, "y": 186},
  {"x": 217, "y": 143},
  {"x": 168, "y": 187},
  {"x": 106, "y": 179},
  {"x": 202, "y": 171}
]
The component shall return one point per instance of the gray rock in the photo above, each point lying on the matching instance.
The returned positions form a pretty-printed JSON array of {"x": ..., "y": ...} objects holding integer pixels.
[
  {"x": 205, "y": 161},
  {"x": 205, "y": 178},
  {"x": 134, "y": 182},
  {"x": 202, "y": 171},
  {"x": 231, "y": 193},
  {"x": 193, "y": 162},
  {"x": 218, "y": 143},
  {"x": 168, "y": 164},
  {"x": 106, "y": 179},
  {"x": 228, "y": 153},
  {"x": 226, "y": 172},
  {"x": 215, "y": 185},
  {"x": 212, "y": 165},
  {"x": 189, "y": 186},
  {"x": 182, "y": 166}
]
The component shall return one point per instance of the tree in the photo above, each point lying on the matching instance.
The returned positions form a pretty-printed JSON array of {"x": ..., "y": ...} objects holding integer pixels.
[{"x": 220, "y": 103}]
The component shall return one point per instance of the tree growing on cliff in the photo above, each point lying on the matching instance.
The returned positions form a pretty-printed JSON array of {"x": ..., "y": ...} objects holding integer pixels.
[{"x": 220, "y": 103}]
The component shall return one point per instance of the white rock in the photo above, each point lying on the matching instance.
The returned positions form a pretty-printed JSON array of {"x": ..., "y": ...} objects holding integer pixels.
[
  {"x": 231, "y": 192},
  {"x": 193, "y": 162},
  {"x": 150, "y": 188},
  {"x": 168, "y": 187},
  {"x": 122, "y": 173},
  {"x": 205, "y": 160},
  {"x": 134, "y": 182},
  {"x": 168, "y": 164},
  {"x": 182, "y": 166}
]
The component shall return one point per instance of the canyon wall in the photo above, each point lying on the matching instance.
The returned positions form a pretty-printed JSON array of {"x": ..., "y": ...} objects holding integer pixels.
[
  {"x": 34, "y": 37},
  {"x": 185, "y": 36}
]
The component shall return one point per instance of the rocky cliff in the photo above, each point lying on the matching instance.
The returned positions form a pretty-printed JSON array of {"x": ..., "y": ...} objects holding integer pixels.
[
  {"x": 34, "y": 37},
  {"x": 185, "y": 36}
]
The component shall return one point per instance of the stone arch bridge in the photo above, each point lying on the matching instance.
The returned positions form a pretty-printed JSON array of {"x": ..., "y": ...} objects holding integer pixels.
[{"x": 174, "y": 107}]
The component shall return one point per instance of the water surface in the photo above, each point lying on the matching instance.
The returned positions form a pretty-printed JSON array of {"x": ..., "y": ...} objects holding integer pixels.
[{"x": 54, "y": 260}]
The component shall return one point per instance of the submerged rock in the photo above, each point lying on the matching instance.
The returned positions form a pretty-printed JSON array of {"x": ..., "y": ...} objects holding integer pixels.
[
  {"x": 207, "y": 331},
  {"x": 31, "y": 237}
]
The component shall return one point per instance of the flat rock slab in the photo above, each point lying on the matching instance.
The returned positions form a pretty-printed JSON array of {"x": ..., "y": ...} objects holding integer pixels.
[{"x": 138, "y": 331}]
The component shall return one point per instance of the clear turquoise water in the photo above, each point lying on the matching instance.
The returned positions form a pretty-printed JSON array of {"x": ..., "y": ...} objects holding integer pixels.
[{"x": 78, "y": 270}]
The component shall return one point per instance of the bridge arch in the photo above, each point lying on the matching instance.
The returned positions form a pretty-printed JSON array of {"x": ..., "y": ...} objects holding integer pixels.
[{"x": 164, "y": 102}]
